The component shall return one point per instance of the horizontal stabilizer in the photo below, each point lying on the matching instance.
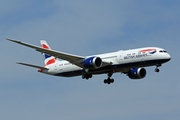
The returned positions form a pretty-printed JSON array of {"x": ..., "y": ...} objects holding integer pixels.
[{"x": 35, "y": 66}]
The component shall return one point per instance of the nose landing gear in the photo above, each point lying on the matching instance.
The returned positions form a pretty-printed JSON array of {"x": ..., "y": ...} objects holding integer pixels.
[{"x": 157, "y": 70}]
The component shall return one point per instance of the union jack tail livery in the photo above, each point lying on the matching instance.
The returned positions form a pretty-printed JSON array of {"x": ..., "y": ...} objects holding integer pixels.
[{"x": 48, "y": 59}]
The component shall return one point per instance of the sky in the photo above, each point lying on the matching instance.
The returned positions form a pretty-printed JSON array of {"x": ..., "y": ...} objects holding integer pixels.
[{"x": 86, "y": 27}]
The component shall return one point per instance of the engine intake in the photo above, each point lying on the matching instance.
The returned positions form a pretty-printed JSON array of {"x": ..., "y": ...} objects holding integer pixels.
[
  {"x": 92, "y": 63},
  {"x": 137, "y": 73}
]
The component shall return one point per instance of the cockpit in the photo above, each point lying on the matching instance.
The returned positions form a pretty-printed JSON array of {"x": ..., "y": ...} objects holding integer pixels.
[{"x": 163, "y": 51}]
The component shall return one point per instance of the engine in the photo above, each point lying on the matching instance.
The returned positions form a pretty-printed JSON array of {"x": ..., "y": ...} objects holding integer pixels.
[
  {"x": 92, "y": 63},
  {"x": 137, "y": 73}
]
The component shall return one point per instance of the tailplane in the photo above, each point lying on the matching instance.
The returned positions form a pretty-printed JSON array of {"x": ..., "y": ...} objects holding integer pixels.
[{"x": 48, "y": 59}]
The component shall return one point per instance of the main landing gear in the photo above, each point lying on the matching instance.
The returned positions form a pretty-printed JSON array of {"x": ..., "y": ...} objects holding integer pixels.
[
  {"x": 87, "y": 76},
  {"x": 109, "y": 80},
  {"x": 157, "y": 70}
]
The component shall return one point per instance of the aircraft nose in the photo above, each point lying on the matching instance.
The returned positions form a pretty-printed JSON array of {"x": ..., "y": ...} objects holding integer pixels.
[{"x": 168, "y": 57}]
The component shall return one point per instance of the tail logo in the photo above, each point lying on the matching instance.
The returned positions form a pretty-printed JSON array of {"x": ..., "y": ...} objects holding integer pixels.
[
  {"x": 48, "y": 58},
  {"x": 51, "y": 61},
  {"x": 44, "y": 46}
]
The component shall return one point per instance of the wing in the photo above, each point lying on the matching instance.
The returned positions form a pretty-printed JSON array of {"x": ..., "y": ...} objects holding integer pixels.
[
  {"x": 74, "y": 59},
  {"x": 77, "y": 60}
]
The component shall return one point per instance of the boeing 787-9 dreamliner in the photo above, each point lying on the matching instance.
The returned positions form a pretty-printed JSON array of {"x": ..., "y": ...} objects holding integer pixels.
[{"x": 129, "y": 62}]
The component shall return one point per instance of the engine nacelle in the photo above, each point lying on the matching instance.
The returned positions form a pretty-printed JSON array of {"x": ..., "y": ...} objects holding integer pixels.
[
  {"x": 137, "y": 73},
  {"x": 92, "y": 63}
]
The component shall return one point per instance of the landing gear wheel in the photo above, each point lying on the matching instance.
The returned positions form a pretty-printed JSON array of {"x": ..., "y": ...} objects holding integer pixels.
[
  {"x": 112, "y": 80},
  {"x": 90, "y": 76},
  {"x": 105, "y": 81},
  {"x": 109, "y": 81},
  {"x": 157, "y": 65},
  {"x": 156, "y": 70},
  {"x": 87, "y": 76}
]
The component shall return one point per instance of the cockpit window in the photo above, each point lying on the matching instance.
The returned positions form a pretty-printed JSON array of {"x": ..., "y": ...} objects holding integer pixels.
[{"x": 163, "y": 51}]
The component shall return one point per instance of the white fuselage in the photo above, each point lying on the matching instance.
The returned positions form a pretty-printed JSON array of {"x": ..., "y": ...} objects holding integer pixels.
[{"x": 122, "y": 61}]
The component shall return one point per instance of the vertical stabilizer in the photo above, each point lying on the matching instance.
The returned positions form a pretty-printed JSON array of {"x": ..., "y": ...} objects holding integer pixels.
[{"x": 48, "y": 59}]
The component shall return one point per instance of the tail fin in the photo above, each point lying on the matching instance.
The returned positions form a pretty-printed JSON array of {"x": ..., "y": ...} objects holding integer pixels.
[{"x": 48, "y": 59}]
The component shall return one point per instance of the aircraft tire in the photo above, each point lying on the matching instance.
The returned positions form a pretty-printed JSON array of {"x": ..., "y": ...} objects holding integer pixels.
[
  {"x": 112, "y": 80},
  {"x": 105, "y": 81},
  {"x": 157, "y": 70}
]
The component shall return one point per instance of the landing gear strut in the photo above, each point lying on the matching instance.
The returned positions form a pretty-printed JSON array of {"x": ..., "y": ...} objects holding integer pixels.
[
  {"x": 109, "y": 80},
  {"x": 157, "y": 70}
]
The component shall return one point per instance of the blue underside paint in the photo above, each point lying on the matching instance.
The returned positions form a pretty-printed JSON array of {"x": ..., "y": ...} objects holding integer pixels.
[{"x": 111, "y": 68}]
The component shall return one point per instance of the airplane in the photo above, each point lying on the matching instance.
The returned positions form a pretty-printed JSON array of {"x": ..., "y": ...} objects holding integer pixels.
[{"x": 129, "y": 62}]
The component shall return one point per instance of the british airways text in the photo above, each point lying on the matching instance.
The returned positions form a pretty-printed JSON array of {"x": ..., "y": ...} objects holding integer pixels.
[{"x": 135, "y": 56}]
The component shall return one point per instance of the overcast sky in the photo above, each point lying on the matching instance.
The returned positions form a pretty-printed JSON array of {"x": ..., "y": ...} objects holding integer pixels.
[{"x": 86, "y": 27}]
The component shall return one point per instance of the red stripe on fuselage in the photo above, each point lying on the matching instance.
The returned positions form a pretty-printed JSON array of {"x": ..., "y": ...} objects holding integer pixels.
[
  {"x": 44, "y": 46},
  {"x": 147, "y": 50}
]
